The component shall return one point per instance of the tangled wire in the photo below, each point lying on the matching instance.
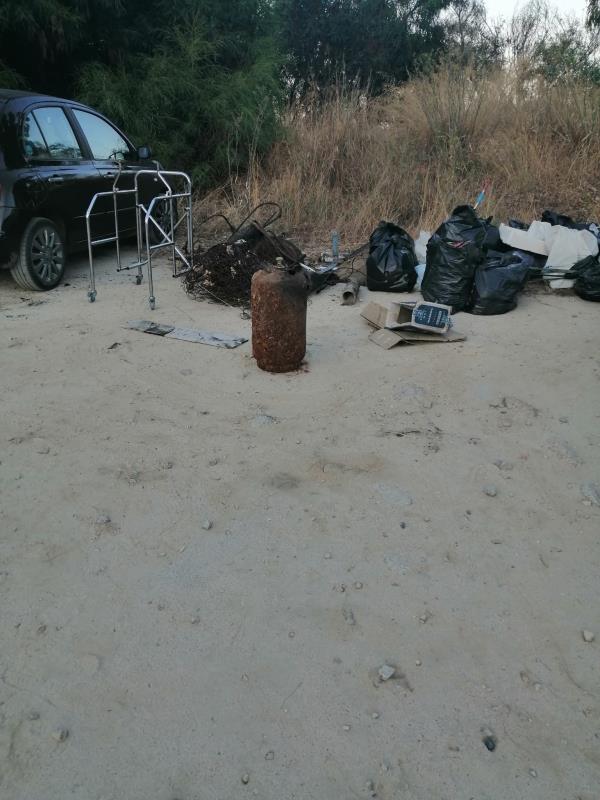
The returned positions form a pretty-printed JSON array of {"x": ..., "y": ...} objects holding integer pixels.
[{"x": 223, "y": 274}]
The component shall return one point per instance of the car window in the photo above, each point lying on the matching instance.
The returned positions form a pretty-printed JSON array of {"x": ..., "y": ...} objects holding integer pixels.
[
  {"x": 34, "y": 145},
  {"x": 105, "y": 142},
  {"x": 58, "y": 134}
]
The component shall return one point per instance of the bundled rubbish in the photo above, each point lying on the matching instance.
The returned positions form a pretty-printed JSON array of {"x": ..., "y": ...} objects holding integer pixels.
[
  {"x": 392, "y": 260},
  {"x": 454, "y": 252},
  {"x": 558, "y": 242},
  {"x": 587, "y": 279},
  {"x": 410, "y": 323},
  {"x": 498, "y": 281},
  {"x": 223, "y": 273}
]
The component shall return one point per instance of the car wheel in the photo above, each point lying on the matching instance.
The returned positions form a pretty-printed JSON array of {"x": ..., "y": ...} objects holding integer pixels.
[
  {"x": 162, "y": 215},
  {"x": 41, "y": 261}
]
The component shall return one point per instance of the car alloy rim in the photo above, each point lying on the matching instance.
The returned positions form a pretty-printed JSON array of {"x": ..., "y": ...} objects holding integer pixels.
[{"x": 47, "y": 254}]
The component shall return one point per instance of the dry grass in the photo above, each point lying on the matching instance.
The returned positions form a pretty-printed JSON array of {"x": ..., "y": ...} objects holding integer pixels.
[{"x": 414, "y": 154}]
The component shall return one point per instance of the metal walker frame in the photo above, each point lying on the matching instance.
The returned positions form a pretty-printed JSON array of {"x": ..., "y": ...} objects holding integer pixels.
[{"x": 144, "y": 220}]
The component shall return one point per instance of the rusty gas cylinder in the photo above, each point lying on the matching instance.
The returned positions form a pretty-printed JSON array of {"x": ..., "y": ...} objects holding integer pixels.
[{"x": 279, "y": 300}]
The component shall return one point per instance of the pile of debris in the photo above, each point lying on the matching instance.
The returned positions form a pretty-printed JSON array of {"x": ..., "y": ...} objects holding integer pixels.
[
  {"x": 223, "y": 273},
  {"x": 473, "y": 265}
]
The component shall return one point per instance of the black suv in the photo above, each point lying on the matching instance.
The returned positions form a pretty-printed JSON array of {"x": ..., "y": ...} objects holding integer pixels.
[{"x": 54, "y": 156}]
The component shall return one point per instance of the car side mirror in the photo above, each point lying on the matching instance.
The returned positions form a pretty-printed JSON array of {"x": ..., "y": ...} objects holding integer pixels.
[{"x": 144, "y": 153}]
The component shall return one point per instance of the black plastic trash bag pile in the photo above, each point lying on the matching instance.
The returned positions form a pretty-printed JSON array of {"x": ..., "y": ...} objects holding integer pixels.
[
  {"x": 587, "y": 278},
  {"x": 454, "y": 252},
  {"x": 498, "y": 281},
  {"x": 391, "y": 262}
]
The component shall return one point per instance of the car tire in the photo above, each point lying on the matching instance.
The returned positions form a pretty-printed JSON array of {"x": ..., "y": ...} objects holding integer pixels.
[
  {"x": 41, "y": 259},
  {"x": 163, "y": 217}
]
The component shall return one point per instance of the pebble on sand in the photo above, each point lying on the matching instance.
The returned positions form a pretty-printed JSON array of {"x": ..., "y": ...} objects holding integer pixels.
[
  {"x": 490, "y": 490},
  {"x": 60, "y": 734},
  {"x": 207, "y": 524},
  {"x": 386, "y": 672},
  {"x": 588, "y": 636},
  {"x": 245, "y": 778}
]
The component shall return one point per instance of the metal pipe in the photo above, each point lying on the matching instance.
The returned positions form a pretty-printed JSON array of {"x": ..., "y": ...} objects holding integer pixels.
[{"x": 151, "y": 298}]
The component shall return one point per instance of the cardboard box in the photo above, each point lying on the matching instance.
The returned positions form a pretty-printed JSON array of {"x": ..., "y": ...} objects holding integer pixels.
[
  {"x": 421, "y": 316},
  {"x": 377, "y": 316}
]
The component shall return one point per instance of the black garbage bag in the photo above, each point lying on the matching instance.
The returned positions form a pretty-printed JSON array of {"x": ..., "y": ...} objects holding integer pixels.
[
  {"x": 453, "y": 254},
  {"x": 587, "y": 278},
  {"x": 516, "y": 223},
  {"x": 391, "y": 262},
  {"x": 554, "y": 218},
  {"x": 498, "y": 281}
]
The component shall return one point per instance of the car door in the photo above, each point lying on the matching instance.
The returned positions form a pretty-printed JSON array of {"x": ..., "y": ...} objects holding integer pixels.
[
  {"x": 67, "y": 176},
  {"x": 113, "y": 156}
]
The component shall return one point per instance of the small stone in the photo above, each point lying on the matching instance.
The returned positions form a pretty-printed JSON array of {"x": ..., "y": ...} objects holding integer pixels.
[
  {"x": 490, "y": 490},
  {"x": 33, "y": 715},
  {"x": 591, "y": 493},
  {"x": 327, "y": 555},
  {"x": 418, "y": 663},
  {"x": 245, "y": 778},
  {"x": 269, "y": 756},
  {"x": 454, "y": 748},
  {"x": 60, "y": 734},
  {"x": 403, "y": 525},
  {"x": 490, "y": 743},
  {"x": 207, "y": 524},
  {"x": 563, "y": 419},
  {"x": 292, "y": 634},
  {"x": 42, "y": 629},
  {"x": 426, "y": 519},
  {"x": 245, "y": 677},
  {"x": 349, "y": 616},
  {"x": 103, "y": 519},
  {"x": 425, "y": 617},
  {"x": 346, "y": 727},
  {"x": 195, "y": 620},
  {"x": 588, "y": 636},
  {"x": 213, "y": 462},
  {"x": 533, "y": 773},
  {"x": 375, "y": 715},
  {"x": 386, "y": 672},
  {"x": 358, "y": 585}
]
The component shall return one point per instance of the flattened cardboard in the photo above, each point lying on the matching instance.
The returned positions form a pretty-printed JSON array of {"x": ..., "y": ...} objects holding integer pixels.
[
  {"x": 376, "y": 315},
  {"x": 414, "y": 316},
  {"x": 388, "y": 339}
]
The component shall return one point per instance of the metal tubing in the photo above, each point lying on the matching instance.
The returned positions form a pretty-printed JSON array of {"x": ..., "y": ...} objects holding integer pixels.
[
  {"x": 151, "y": 298},
  {"x": 144, "y": 219},
  {"x": 92, "y": 287}
]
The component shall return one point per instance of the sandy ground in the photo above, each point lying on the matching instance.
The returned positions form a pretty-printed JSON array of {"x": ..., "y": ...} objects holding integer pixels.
[{"x": 350, "y": 529}]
